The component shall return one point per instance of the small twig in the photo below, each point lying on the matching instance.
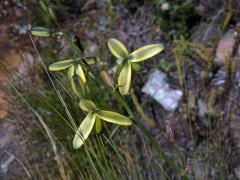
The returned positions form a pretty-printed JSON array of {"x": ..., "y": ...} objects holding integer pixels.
[{"x": 229, "y": 14}]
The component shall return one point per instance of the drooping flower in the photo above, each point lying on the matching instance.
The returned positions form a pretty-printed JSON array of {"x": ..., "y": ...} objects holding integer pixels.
[
  {"x": 75, "y": 72},
  {"x": 119, "y": 50}
]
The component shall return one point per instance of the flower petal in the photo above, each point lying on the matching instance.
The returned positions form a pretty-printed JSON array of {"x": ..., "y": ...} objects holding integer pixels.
[
  {"x": 87, "y": 105},
  {"x": 71, "y": 72},
  {"x": 40, "y": 31},
  {"x": 98, "y": 125},
  {"x": 60, "y": 65},
  {"x": 113, "y": 117},
  {"x": 78, "y": 86},
  {"x": 84, "y": 130},
  {"x": 117, "y": 48},
  {"x": 146, "y": 52},
  {"x": 80, "y": 73},
  {"x": 124, "y": 78}
]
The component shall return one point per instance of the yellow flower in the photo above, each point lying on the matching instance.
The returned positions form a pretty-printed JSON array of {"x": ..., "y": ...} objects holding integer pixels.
[
  {"x": 75, "y": 72},
  {"x": 93, "y": 117},
  {"x": 119, "y": 50}
]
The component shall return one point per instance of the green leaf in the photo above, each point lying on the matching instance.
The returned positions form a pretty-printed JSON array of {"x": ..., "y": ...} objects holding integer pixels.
[
  {"x": 78, "y": 44},
  {"x": 87, "y": 105},
  {"x": 117, "y": 48},
  {"x": 124, "y": 79},
  {"x": 52, "y": 14},
  {"x": 113, "y": 117},
  {"x": 60, "y": 65},
  {"x": 78, "y": 86},
  {"x": 98, "y": 125},
  {"x": 43, "y": 6},
  {"x": 80, "y": 73},
  {"x": 71, "y": 72},
  {"x": 40, "y": 31},
  {"x": 84, "y": 130},
  {"x": 145, "y": 52}
]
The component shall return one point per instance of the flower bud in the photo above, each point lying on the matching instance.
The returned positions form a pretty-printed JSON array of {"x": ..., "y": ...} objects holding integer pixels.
[{"x": 40, "y": 31}]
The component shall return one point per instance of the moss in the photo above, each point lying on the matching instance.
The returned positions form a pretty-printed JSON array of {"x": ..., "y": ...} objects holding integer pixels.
[{"x": 178, "y": 18}]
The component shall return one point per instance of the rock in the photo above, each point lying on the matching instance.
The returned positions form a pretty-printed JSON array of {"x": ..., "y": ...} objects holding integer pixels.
[
  {"x": 159, "y": 89},
  {"x": 22, "y": 29},
  {"x": 225, "y": 46},
  {"x": 27, "y": 64},
  {"x": 220, "y": 77}
]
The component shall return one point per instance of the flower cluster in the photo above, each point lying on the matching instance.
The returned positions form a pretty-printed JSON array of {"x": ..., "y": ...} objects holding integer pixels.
[{"x": 119, "y": 51}]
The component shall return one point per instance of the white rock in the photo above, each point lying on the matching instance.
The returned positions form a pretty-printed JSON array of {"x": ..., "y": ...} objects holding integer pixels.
[
  {"x": 159, "y": 89},
  {"x": 22, "y": 29}
]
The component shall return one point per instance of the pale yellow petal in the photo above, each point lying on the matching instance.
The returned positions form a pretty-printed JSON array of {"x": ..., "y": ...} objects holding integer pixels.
[
  {"x": 84, "y": 130},
  {"x": 57, "y": 66},
  {"x": 113, "y": 117},
  {"x": 80, "y": 73},
  {"x": 117, "y": 48},
  {"x": 124, "y": 79},
  {"x": 78, "y": 86},
  {"x": 146, "y": 52},
  {"x": 87, "y": 105},
  {"x": 71, "y": 72}
]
